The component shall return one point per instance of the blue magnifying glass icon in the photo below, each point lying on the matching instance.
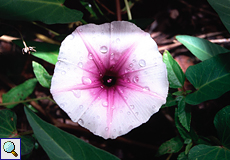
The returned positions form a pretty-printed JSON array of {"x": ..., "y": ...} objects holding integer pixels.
[{"x": 9, "y": 147}]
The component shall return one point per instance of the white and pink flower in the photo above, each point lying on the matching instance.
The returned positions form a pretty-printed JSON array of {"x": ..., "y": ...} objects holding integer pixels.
[{"x": 109, "y": 78}]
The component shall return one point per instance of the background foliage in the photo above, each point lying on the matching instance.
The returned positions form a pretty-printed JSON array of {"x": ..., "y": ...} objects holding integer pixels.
[{"x": 37, "y": 19}]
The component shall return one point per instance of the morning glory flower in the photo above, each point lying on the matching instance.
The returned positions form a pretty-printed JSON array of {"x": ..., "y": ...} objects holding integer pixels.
[{"x": 110, "y": 78}]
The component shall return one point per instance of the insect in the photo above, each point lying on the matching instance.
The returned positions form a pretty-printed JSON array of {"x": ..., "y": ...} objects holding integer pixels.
[{"x": 28, "y": 50}]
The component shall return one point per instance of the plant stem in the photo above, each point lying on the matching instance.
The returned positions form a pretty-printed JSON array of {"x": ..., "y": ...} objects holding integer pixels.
[
  {"x": 83, "y": 21},
  {"x": 118, "y": 10},
  {"x": 128, "y": 10},
  {"x": 28, "y": 100},
  {"x": 99, "y": 10},
  {"x": 26, "y": 133},
  {"x": 24, "y": 43},
  {"x": 55, "y": 33}
]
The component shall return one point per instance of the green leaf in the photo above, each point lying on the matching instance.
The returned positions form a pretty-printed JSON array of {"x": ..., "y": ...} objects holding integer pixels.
[
  {"x": 176, "y": 76},
  {"x": 89, "y": 7},
  {"x": 8, "y": 120},
  {"x": 27, "y": 144},
  {"x": 178, "y": 93},
  {"x": 222, "y": 8},
  {"x": 211, "y": 78},
  {"x": 42, "y": 75},
  {"x": 184, "y": 113},
  {"x": 170, "y": 101},
  {"x": 31, "y": 107},
  {"x": 173, "y": 145},
  {"x": 204, "y": 140},
  {"x": 182, "y": 156},
  {"x": 183, "y": 132},
  {"x": 61, "y": 145},
  {"x": 201, "y": 48},
  {"x": 222, "y": 124},
  {"x": 19, "y": 92},
  {"x": 46, "y": 51},
  {"x": 188, "y": 147},
  {"x": 205, "y": 152},
  {"x": 48, "y": 11}
]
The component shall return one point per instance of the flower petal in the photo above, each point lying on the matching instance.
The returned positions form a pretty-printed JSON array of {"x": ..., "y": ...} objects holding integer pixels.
[{"x": 120, "y": 48}]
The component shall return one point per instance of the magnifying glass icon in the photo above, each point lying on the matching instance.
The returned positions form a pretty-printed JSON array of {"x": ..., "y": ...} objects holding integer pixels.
[{"x": 9, "y": 147}]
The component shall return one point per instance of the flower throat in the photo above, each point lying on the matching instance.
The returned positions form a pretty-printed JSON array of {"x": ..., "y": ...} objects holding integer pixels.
[{"x": 109, "y": 80}]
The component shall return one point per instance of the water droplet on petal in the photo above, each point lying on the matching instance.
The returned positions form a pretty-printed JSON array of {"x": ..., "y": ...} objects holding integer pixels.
[
  {"x": 103, "y": 49},
  {"x": 135, "y": 79},
  {"x": 126, "y": 70},
  {"x": 112, "y": 56},
  {"x": 81, "y": 106},
  {"x": 118, "y": 40},
  {"x": 86, "y": 81},
  {"x": 106, "y": 129},
  {"x": 80, "y": 30},
  {"x": 63, "y": 72},
  {"x": 130, "y": 65},
  {"x": 71, "y": 36},
  {"x": 81, "y": 122},
  {"x": 130, "y": 127},
  {"x": 90, "y": 56},
  {"x": 146, "y": 89},
  {"x": 142, "y": 63},
  {"x": 62, "y": 105},
  {"x": 128, "y": 113},
  {"x": 77, "y": 93},
  {"x": 136, "y": 113},
  {"x": 132, "y": 106},
  {"x": 105, "y": 104},
  {"x": 80, "y": 64}
]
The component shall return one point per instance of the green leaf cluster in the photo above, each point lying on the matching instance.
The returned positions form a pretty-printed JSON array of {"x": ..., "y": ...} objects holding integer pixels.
[
  {"x": 61, "y": 145},
  {"x": 216, "y": 152},
  {"x": 19, "y": 93},
  {"x": 49, "y": 11},
  {"x": 8, "y": 121},
  {"x": 210, "y": 77}
]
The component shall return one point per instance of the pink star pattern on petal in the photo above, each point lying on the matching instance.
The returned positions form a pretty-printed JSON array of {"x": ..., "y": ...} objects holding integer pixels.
[{"x": 109, "y": 78}]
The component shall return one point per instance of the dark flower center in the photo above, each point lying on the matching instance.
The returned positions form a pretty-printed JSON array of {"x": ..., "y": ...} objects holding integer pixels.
[{"x": 109, "y": 80}]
